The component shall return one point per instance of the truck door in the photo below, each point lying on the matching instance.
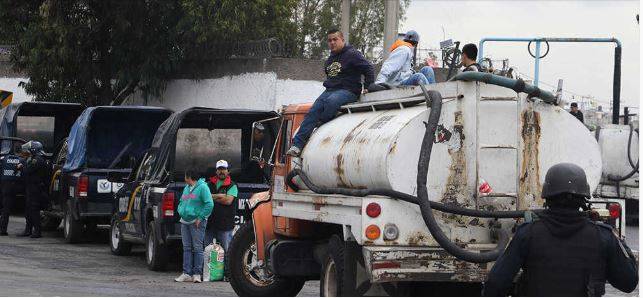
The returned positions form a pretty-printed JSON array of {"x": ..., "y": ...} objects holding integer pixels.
[{"x": 134, "y": 195}]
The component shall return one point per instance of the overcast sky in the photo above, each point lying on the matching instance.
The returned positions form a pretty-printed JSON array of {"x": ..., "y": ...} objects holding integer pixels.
[{"x": 586, "y": 68}]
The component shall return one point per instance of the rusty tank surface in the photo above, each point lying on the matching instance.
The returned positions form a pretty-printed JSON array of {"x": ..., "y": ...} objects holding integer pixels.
[{"x": 486, "y": 134}]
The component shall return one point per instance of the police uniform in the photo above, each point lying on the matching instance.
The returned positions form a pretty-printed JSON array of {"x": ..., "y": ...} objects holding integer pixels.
[
  {"x": 35, "y": 172},
  {"x": 563, "y": 259},
  {"x": 11, "y": 179},
  {"x": 563, "y": 253}
]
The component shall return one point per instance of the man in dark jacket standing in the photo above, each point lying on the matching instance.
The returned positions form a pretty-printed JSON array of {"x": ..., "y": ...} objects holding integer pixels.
[
  {"x": 344, "y": 70},
  {"x": 563, "y": 253},
  {"x": 573, "y": 109}
]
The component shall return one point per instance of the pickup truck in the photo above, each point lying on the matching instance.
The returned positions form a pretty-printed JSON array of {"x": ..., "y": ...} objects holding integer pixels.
[
  {"x": 103, "y": 140},
  {"x": 145, "y": 209},
  {"x": 46, "y": 122}
]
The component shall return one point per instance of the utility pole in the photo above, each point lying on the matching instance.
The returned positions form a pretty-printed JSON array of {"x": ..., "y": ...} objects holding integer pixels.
[
  {"x": 346, "y": 18},
  {"x": 391, "y": 23}
]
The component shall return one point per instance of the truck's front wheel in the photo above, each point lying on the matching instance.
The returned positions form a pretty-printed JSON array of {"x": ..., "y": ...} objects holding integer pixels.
[
  {"x": 73, "y": 229},
  {"x": 156, "y": 253},
  {"x": 248, "y": 276}
]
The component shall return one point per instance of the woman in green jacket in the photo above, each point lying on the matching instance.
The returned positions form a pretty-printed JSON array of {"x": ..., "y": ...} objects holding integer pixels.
[{"x": 194, "y": 208}]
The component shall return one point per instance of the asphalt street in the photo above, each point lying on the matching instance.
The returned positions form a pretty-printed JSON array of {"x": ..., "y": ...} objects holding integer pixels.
[{"x": 50, "y": 267}]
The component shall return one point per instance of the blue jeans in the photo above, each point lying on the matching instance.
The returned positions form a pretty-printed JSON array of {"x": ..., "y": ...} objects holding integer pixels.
[
  {"x": 424, "y": 77},
  {"x": 223, "y": 238},
  {"x": 323, "y": 110},
  {"x": 192, "y": 238}
]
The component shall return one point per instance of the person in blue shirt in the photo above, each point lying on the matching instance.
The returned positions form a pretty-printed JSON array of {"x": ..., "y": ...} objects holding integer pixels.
[
  {"x": 344, "y": 70},
  {"x": 398, "y": 68}
]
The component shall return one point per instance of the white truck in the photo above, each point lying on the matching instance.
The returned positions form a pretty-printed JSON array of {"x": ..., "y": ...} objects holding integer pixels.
[{"x": 408, "y": 191}]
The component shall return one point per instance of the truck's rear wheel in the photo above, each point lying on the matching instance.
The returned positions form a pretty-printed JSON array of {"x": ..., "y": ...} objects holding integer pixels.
[
  {"x": 332, "y": 276},
  {"x": 250, "y": 278},
  {"x": 156, "y": 254},
  {"x": 72, "y": 229},
  {"x": 116, "y": 243}
]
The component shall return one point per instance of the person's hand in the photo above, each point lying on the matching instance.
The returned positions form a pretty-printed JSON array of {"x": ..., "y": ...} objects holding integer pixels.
[
  {"x": 364, "y": 91},
  {"x": 262, "y": 163},
  {"x": 19, "y": 166},
  {"x": 197, "y": 223}
]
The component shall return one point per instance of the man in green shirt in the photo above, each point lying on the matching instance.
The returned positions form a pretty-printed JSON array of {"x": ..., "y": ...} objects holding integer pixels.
[{"x": 224, "y": 194}]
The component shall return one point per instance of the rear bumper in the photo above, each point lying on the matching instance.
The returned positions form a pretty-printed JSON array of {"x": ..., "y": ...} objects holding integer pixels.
[
  {"x": 390, "y": 264},
  {"x": 95, "y": 211}
]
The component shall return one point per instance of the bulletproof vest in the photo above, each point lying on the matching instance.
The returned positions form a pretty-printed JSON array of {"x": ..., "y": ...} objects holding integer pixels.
[
  {"x": 9, "y": 164},
  {"x": 569, "y": 266},
  {"x": 35, "y": 171}
]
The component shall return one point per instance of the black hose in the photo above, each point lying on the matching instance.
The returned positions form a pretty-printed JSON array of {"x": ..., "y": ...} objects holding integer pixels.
[
  {"x": 635, "y": 167},
  {"x": 397, "y": 195},
  {"x": 629, "y": 146},
  {"x": 423, "y": 195}
]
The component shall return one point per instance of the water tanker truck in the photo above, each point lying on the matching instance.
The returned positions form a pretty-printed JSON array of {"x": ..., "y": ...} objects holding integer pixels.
[{"x": 411, "y": 189}]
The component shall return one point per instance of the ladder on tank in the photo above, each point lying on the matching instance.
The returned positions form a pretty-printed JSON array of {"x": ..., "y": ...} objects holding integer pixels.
[{"x": 498, "y": 144}]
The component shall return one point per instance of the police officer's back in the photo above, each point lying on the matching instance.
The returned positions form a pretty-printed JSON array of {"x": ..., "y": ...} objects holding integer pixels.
[
  {"x": 35, "y": 173},
  {"x": 563, "y": 253}
]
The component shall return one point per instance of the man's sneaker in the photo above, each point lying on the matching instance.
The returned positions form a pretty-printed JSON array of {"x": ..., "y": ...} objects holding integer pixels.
[
  {"x": 4, "y": 234},
  {"x": 196, "y": 278},
  {"x": 183, "y": 278},
  {"x": 294, "y": 151}
]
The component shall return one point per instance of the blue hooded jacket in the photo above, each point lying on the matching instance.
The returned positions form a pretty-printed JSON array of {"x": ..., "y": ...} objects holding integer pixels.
[{"x": 344, "y": 70}]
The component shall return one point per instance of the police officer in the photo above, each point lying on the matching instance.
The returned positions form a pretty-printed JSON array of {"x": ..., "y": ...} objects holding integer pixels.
[
  {"x": 563, "y": 253},
  {"x": 11, "y": 179},
  {"x": 35, "y": 172}
]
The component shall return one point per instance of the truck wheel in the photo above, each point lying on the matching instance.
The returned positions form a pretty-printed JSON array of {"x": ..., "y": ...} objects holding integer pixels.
[
  {"x": 250, "y": 278},
  {"x": 118, "y": 246},
  {"x": 156, "y": 253},
  {"x": 72, "y": 228},
  {"x": 332, "y": 276},
  {"x": 49, "y": 223}
]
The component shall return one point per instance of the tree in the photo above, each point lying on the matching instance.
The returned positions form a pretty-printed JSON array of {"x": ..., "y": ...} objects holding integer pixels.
[
  {"x": 98, "y": 52},
  {"x": 314, "y": 17}
]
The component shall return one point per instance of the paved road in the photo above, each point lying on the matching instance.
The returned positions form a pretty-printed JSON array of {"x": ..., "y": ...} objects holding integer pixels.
[{"x": 50, "y": 267}]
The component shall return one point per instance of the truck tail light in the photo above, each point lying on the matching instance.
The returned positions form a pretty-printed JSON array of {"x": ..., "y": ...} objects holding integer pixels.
[
  {"x": 82, "y": 186},
  {"x": 373, "y": 210},
  {"x": 372, "y": 232},
  {"x": 615, "y": 210},
  {"x": 167, "y": 205}
]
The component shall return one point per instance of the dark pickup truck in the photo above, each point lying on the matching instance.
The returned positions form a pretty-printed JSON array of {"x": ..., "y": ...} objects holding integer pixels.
[
  {"x": 192, "y": 139},
  {"x": 46, "y": 122},
  {"x": 104, "y": 140}
]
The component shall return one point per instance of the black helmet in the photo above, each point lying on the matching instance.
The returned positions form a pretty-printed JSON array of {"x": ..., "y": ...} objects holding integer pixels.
[{"x": 565, "y": 178}]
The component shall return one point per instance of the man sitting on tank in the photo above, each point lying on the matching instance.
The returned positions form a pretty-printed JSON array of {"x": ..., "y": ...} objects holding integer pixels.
[
  {"x": 344, "y": 70},
  {"x": 397, "y": 70}
]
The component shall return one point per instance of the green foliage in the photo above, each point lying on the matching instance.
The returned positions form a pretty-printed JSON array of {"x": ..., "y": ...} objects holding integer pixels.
[
  {"x": 314, "y": 17},
  {"x": 98, "y": 52}
]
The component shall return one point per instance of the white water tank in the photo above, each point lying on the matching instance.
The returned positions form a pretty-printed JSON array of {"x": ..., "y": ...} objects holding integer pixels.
[
  {"x": 613, "y": 141},
  {"x": 486, "y": 133}
]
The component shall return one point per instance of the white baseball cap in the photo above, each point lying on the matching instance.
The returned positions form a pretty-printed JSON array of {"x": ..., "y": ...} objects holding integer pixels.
[{"x": 222, "y": 164}]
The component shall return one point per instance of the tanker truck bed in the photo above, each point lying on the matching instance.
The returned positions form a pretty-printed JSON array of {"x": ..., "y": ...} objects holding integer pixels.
[{"x": 414, "y": 255}]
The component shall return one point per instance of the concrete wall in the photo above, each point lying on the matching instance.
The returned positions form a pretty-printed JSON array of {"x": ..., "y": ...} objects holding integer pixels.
[
  {"x": 262, "y": 91},
  {"x": 251, "y": 83}
]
